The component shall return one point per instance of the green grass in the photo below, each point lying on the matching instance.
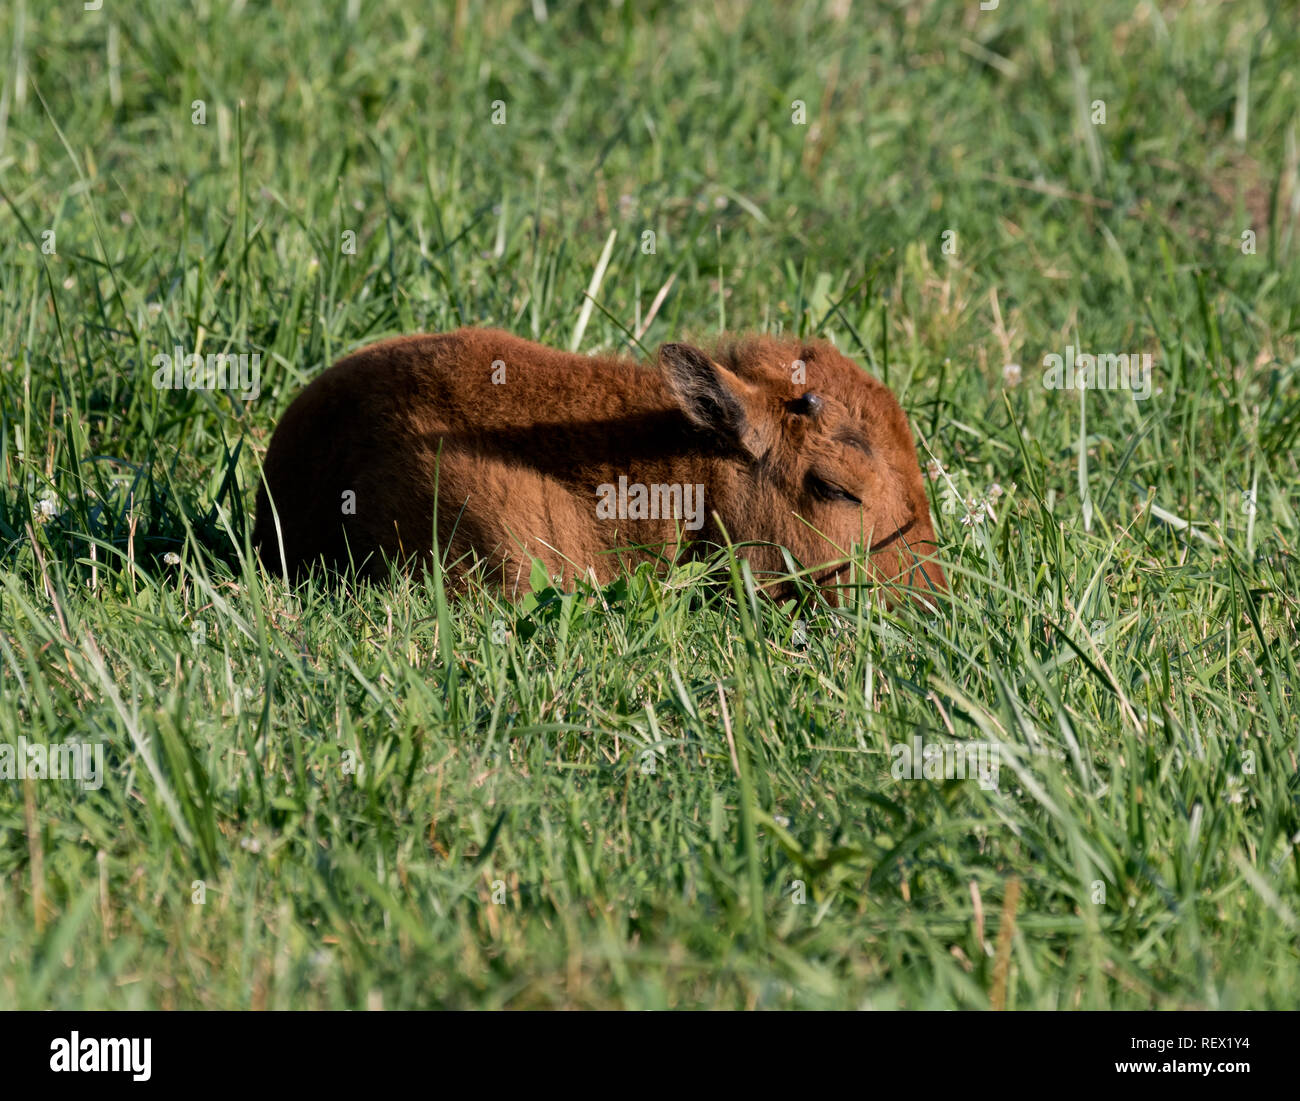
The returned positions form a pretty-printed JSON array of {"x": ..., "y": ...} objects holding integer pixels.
[{"x": 668, "y": 793}]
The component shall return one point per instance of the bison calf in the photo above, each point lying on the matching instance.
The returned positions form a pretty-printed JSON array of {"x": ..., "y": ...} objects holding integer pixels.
[{"x": 594, "y": 463}]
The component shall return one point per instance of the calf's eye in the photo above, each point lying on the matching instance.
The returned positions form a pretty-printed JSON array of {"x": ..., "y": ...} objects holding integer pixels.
[{"x": 827, "y": 491}]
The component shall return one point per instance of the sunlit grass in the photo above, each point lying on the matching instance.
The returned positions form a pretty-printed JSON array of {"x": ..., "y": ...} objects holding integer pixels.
[{"x": 669, "y": 792}]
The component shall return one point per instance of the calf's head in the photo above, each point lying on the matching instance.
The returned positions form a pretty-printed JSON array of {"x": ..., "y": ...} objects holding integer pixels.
[{"x": 819, "y": 457}]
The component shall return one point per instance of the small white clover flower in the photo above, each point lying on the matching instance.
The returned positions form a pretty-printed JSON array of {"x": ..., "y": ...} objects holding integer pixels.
[
  {"x": 171, "y": 558},
  {"x": 976, "y": 510},
  {"x": 1011, "y": 374}
]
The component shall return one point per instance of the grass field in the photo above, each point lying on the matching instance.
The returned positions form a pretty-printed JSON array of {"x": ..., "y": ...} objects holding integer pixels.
[{"x": 666, "y": 793}]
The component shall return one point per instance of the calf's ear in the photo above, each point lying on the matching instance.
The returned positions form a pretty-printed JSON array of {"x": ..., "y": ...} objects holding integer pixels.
[{"x": 709, "y": 394}]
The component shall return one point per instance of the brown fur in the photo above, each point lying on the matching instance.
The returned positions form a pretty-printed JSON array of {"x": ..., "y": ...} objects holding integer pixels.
[{"x": 521, "y": 460}]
